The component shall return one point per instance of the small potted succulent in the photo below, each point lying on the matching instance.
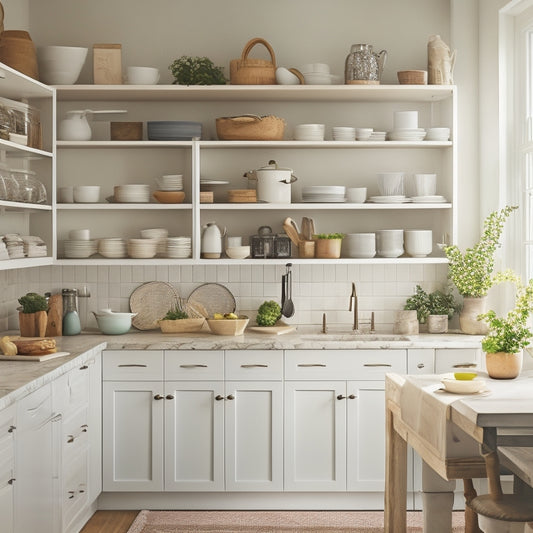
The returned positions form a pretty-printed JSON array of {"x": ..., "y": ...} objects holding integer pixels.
[
  {"x": 328, "y": 245},
  {"x": 33, "y": 316},
  {"x": 196, "y": 71}
]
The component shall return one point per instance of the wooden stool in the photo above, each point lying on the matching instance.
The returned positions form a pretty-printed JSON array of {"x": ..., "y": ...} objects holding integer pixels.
[{"x": 498, "y": 512}]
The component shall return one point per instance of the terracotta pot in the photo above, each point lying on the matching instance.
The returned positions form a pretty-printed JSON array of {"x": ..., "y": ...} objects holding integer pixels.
[
  {"x": 328, "y": 248},
  {"x": 502, "y": 365},
  {"x": 18, "y": 51},
  {"x": 33, "y": 324},
  {"x": 437, "y": 323},
  {"x": 468, "y": 322}
]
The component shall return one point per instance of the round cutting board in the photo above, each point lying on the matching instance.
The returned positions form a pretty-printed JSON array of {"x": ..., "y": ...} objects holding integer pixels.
[{"x": 151, "y": 301}]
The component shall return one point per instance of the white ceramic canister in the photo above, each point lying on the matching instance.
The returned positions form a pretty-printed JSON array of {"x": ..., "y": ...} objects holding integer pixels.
[
  {"x": 273, "y": 183},
  {"x": 212, "y": 241}
]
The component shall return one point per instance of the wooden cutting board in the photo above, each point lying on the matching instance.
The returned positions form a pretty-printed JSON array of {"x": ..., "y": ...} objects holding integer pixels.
[
  {"x": 272, "y": 330},
  {"x": 54, "y": 326},
  {"x": 33, "y": 358}
]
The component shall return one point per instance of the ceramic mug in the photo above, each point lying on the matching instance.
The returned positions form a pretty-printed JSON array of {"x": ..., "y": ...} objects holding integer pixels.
[
  {"x": 418, "y": 243},
  {"x": 425, "y": 184},
  {"x": 391, "y": 183},
  {"x": 389, "y": 242},
  {"x": 142, "y": 76}
]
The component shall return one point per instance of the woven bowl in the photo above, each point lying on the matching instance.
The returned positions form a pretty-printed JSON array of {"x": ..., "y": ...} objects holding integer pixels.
[
  {"x": 228, "y": 326},
  {"x": 413, "y": 77},
  {"x": 250, "y": 128},
  {"x": 169, "y": 197},
  {"x": 184, "y": 325}
]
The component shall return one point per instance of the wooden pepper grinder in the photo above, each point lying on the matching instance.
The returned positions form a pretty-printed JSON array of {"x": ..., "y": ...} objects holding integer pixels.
[{"x": 54, "y": 326}]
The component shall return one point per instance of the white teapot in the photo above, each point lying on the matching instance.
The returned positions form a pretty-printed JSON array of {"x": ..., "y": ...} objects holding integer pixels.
[{"x": 212, "y": 241}]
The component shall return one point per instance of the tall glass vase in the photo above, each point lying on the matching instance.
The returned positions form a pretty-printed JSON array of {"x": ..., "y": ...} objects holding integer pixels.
[{"x": 472, "y": 307}]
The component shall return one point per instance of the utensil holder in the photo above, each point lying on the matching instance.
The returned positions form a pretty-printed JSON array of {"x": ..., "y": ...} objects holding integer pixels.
[{"x": 306, "y": 249}]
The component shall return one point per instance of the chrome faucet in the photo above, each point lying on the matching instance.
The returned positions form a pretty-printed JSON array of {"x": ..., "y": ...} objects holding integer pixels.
[{"x": 353, "y": 304}]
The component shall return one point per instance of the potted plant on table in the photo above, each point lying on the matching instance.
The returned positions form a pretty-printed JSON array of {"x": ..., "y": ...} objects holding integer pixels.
[
  {"x": 507, "y": 336},
  {"x": 472, "y": 271},
  {"x": 328, "y": 245}
]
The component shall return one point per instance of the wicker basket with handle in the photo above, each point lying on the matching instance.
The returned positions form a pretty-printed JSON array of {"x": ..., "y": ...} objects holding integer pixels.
[{"x": 246, "y": 71}]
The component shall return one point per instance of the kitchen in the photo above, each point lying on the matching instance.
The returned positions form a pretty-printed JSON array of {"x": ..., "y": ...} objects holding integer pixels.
[{"x": 318, "y": 288}]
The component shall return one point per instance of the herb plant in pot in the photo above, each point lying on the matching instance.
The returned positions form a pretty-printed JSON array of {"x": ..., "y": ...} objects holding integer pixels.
[
  {"x": 328, "y": 245},
  {"x": 33, "y": 315},
  {"x": 178, "y": 321},
  {"x": 471, "y": 271},
  {"x": 507, "y": 336},
  {"x": 433, "y": 309},
  {"x": 196, "y": 71}
]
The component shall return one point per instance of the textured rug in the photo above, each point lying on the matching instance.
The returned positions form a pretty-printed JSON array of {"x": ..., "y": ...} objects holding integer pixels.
[{"x": 273, "y": 522}]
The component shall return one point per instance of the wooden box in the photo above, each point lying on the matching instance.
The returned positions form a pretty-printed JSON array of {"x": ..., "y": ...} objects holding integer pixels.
[{"x": 107, "y": 64}]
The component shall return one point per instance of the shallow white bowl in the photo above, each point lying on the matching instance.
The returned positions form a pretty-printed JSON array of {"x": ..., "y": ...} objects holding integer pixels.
[
  {"x": 460, "y": 386},
  {"x": 60, "y": 65},
  {"x": 238, "y": 252}
]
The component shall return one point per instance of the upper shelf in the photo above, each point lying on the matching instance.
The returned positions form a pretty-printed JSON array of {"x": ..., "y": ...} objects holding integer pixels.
[
  {"x": 15, "y": 85},
  {"x": 241, "y": 93}
]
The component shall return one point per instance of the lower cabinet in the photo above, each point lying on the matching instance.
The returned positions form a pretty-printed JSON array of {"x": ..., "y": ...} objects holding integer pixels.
[{"x": 7, "y": 468}]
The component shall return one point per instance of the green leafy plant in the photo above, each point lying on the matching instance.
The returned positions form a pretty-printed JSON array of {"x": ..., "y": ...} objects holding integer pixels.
[
  {"x": 329, "y": 236},
  {"x": 268, "y": 313},
  {"x": 33, "y": 302},
  {"x": 175, "y": 314},
  {"x": 435, "y": 303},
  {"x": 510, "y": 334},
  {"x": 189, "y": 70},
  {"x": 419, "y": 302},
  {"x": 471, "y": 272}
]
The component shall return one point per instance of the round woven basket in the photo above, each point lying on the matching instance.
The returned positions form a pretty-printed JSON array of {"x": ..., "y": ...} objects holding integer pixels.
[
  {"x": 413, "y": 77},
  {"x": 250, "y": 128}
]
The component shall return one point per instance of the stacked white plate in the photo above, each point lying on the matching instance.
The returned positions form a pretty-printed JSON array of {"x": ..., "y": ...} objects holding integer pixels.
[
  {"x": 398, "y": 199},
  {"x": 324, "y": 193},
  {"x": 343, "y": 133},
  {"x": 112, "y": 248},
  {"x": 437, "y": 134},
  {"x": 170, "y": 182},
  {"x": 435, "y": 199},
  {"x": 413, "y": 135},
  {"x": 378, "y": 136},
  {"x": 14, "y": 245},
  {"x": 142, "y": 248},
  {"x": 160, "y": 235},
  {"x": 80, "y": 249},
  {"x": 179, "y": 247},
  {"x": 309, "y": 132},
  {"x": 132, "y": 193}
]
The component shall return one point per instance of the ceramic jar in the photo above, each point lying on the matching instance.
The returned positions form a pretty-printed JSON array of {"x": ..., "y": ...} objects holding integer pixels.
[
  {"x": 503, "y": 365},
  {"x": 472, "y": 307},
  {"x": 406, "y": 323},
  {"x": 437, "y": 323}
]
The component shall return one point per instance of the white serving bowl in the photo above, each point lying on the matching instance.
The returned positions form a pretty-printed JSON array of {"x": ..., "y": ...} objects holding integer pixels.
[
  {"x": 359, "y": 245},
  {"x": 86, "y": 194},
  {"x": 111, "y": 323},
  {"x": 238, "y": 252},
  {"x": 60, "y": 65},
  {"x": 461, "y": 386}
]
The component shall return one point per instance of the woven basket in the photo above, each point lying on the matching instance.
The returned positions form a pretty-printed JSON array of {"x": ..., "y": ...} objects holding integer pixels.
[
  {"x": 413, "y": 77},
  {"x": 245, "y": 71},
  {"x": 184, "y": 325},
  {"x": 250, "y": 128}
]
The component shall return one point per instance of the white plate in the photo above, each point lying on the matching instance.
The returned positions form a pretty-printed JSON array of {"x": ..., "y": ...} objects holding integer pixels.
[
  {"x": 213, "y": 182},
  {"x": 389, "y": 199},
  {"x": 428, "y": 199}
]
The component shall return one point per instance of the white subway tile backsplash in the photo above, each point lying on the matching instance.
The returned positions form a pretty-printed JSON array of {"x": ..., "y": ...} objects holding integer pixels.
[{"x": 162, "y": 273}]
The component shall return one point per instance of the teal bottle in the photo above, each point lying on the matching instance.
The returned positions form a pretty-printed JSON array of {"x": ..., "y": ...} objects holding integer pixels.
[{"x": 71, "y": 319}]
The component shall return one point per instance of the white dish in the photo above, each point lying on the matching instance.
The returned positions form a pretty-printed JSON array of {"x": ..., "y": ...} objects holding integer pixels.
[
  {"x": 461, "y": 386},
  {"x": 428, "y": 199}
]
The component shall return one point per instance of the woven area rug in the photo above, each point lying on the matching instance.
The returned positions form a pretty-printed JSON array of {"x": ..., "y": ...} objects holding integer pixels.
[{"x": 273, "y": 522}]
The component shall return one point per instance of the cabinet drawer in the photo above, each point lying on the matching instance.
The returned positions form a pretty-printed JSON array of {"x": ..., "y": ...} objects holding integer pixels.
[
  {"x": 132, "y": 365},
  {"x": 447, "y": 360},
  {"x": 75, "y": 494},
  {"x": 34, "y": 410},
  {"x": 256, "y": 365},
  {"x": 71, "y": 391},
  {"x": 203, "y": 365},
  {"x": 344, "y": 364}
]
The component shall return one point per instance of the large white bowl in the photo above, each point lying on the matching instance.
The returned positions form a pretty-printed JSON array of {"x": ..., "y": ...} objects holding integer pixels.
[{"x": 60, "y": 65}]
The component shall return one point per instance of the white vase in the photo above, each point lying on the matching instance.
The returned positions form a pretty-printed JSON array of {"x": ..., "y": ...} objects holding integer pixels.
[{"x": 468, "y": 322}]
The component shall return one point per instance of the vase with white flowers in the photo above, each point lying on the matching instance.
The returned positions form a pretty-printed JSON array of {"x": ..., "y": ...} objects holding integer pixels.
[
  {"x": 472, "y": 271},
  {"x": 507, "y": 336}
]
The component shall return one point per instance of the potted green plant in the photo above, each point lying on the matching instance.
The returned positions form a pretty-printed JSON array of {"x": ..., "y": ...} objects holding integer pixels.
[
  {"x": 188, "y": 70},
  {"x": 177, "y": 320},
  {"x": 328, "y": 245},
  {"x": 472, "y": 271},
  {"x": 441, "y": 307},
  {"x": 33, "y": 316},
  {"x": 419, "y": 302},
  {"x": 507, "y": 336}
]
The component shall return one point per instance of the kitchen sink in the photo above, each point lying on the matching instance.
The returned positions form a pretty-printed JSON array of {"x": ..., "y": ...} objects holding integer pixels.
[{"x": 354, "y": 337}]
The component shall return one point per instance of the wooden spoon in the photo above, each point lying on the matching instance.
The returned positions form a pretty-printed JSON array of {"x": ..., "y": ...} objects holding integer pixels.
[{"x": 288, "y": 226}]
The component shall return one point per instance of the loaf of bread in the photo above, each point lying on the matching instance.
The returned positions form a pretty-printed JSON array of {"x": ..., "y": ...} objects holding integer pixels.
[{"x": 34, "y": 346}]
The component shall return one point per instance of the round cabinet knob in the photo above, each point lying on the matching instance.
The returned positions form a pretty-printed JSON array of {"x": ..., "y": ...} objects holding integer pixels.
[
  {"x": 230, "y": 397},
  {"x": 218, "y": 397},
  {"x": 158, "y": 397},
  {"x": 169, "y": 397},
  {"x": 352, "y": 396}
]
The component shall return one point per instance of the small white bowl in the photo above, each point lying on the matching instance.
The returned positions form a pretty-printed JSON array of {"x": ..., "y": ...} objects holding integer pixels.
[
  {"x": 86, "y": 194},
  {"x": 285, "y": 77},
  {"x": 459, "y": 386},
  {"x": 238, "y": 252}
]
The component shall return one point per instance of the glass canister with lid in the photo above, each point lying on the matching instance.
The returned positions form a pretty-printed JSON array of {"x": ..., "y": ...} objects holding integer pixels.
[{"x": 28, "y": 188}]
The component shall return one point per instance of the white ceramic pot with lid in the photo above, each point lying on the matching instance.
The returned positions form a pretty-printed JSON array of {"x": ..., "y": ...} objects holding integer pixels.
[{"x": 273, "y": 183}]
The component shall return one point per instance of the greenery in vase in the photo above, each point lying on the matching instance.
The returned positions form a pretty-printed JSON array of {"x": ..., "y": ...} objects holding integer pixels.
[
  {"x": 471, "y": 272},
  {"x": 435, "y": 303},
  {"x": 329, "y": 236},
  {"x": 510, "y": 334},
  {"x": 196, "y": 71},
  {"x": 33, "y": 302}
]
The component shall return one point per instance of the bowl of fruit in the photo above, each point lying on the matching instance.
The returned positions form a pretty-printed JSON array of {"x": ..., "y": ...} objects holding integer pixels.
[{"x": 227, "y": 324}]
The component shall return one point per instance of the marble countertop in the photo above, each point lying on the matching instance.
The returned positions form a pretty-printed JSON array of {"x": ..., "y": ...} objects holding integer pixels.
[{"x": 17, "y": 378}]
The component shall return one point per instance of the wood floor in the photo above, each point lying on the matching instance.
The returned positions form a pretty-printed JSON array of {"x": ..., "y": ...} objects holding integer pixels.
[{"x": 110, "y": 522}]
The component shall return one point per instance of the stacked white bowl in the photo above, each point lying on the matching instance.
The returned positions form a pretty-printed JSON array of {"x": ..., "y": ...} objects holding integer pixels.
[
  {"x": 170, "y": 182},
  {"x": 324, "y": 193},
  {"x": 179, "y": 247},
  {"x": 112, "y": 248},
  {"x": 406, "y": 128},
  {"x": 437, "y": 134},
  {"x": 309, "y": 132},
  {"x": 160, "y": 235},
  {"x": 142, "y": 248},
  {"x": 132, "y": 193},
  {"x": 363, "y": 134},
  {"x": 317, "y": 74},
  {"x": 86, "y": 194},
  {"x": 359, "y": 245},
  {"x": 80, "y": 249},
  {"x": 378, "y": 136},
  {"x": 391, "y": 183},
  {"x": 341, "y": 133}
]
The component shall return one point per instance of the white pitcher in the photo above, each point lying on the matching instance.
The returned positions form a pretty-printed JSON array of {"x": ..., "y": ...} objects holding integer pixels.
[{"x": 212, "y": 241}]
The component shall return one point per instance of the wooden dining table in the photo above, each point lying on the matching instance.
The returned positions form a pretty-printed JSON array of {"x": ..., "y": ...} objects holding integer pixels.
[{"x": 448, "y": 431}]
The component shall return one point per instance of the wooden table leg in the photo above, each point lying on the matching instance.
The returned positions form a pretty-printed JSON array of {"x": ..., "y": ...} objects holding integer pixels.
[{"x": 395, "y": 479}]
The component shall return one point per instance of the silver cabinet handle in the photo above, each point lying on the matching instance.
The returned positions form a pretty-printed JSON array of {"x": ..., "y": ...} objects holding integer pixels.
[
  {"x": 193, "y": 366},
  {"x": 136, "y": 365},
  {"x": 377, "y": 364},
  {"x": 311, "y": 364},
  {"x": 465, "y": 365},
  {"x": 255, "y": 365}
]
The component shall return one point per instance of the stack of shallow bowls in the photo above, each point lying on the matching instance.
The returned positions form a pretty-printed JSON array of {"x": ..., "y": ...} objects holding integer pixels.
[
  {"x": 142, "y": 248},
  {"x": 132, "y": 193},
  {"x": 112, "y": 248},
  {"x": 170, "y": 182},
  {"x": 324, "y": 193},
  {"x": 377, "y": 136},
  {"x": 179, "y": 247},
  {"x": 410, "y": 135},
  {"x": 343, "y": 134},
  {"x": 437, "y": 134},
  {"x": 80, "y": 249},
  {"x": 309, "y": 132},
  {"x": 174, "y": 130},
  {"x": 160, "y": 235}
]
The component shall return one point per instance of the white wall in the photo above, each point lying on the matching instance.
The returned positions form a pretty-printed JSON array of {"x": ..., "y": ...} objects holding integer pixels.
[{"x": 16, "y": 14}]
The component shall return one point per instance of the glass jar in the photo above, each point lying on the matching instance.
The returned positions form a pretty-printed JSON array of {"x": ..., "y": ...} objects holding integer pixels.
[
  {"x": 29, "y": 188},
  {"x": 71, "y": 319}
]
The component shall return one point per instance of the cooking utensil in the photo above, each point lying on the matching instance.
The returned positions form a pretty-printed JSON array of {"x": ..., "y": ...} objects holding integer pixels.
[
  {"x": 288, "y": 307},
  {"x": 291, "y": 229},
  {"x": 283, "y": 294}
]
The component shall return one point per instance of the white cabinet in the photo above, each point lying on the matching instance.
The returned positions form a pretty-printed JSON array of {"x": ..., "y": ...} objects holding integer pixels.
[
  {"x": 21, "y": 216},
  {"x": 335, "y": 418},
  {"x": 7, "y": 468},
  {"x": 350, "y": 164}
]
